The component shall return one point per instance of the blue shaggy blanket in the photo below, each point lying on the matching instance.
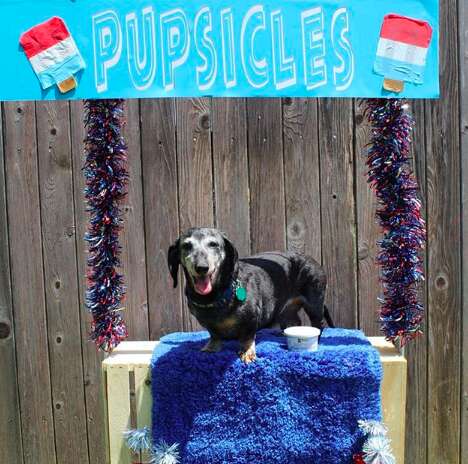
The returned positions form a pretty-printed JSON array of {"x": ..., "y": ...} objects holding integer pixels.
[{"x": 287, "y": 407}]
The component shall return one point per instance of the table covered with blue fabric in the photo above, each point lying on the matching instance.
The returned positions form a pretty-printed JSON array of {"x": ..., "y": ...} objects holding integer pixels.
[{"x": 286, "y": 407}]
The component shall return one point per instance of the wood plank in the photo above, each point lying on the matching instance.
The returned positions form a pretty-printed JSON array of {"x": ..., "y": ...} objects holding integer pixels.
[
  {"x": 393, "y": 391},
  {"x": 143, "y": 395},
  {"x": 11, "y": 447},
  {"x": 159, "y": 169},
  {"x": 133, "y": 347},
  {"x": 105, "y": 444},
  {"x": 195, "y": 171},
  {"x": 302, "y": 176},
  {"x": 195, "y": 164},
  {"x": 302, "y": 179},
  {"x": 338, "y": 209},
  {"x": 27, "y": 280},
  {"x": 368, "y": 230},
  {"x": 266, "y": 174},
  {"x": 61, "y": 287},
  {"x": 463, "y": 76},
  {"x": 444, "y": 264},
  {"x": 132, "y": 238},
  {"x": 91, "y": 357},
  {"x": 118, "y": 405},
  {"x": 230, "y": 166},
  {"x": 416, "y": 352},
  {"x": 144, "y": 401}
]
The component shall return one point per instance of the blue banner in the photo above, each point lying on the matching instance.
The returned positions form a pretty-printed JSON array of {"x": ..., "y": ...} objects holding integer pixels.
[{"x": 62, "y": 49}]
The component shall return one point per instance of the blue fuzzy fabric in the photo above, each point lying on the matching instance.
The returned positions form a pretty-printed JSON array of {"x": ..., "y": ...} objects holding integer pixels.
[{"x": 286, "y": 407}]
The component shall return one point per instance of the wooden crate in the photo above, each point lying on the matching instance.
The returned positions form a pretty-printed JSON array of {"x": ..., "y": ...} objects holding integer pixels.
[{"x": 128, "y": 395}]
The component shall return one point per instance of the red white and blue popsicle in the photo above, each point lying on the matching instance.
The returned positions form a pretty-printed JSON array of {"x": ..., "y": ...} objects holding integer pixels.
[
  {"x": 53, "y": 54},
  {"x": 402, "y": 51}
]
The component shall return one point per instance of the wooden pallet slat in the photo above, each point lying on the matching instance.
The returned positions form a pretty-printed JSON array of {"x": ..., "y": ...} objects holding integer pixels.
[{"x": 119, "y": 410}]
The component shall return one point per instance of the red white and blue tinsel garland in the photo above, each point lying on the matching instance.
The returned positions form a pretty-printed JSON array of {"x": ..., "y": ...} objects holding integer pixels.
[
  {"x": 399, "y": 214},
  {"x": 106, "y": 176}
]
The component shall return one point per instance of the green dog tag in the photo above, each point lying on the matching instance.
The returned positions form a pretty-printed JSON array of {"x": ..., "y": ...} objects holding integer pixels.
[{"x": 241, "y": 294}]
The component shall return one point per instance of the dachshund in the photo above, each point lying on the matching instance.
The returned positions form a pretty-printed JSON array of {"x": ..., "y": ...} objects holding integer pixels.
[{"x": 234, "y": 298}]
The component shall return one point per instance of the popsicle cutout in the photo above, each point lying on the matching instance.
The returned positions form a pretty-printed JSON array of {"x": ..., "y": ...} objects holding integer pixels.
[
  {"x": 53, "y": 54},
  {"x": 402, "y": 51}
]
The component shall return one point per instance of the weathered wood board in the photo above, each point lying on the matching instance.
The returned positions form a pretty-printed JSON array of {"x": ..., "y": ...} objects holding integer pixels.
[
  {"x": 463, "y": 80},
  {"x": 27, "y": 283},
  {"x": 159, "y": 171},
  {"x": 444, "y": 257},
  {"x": 10, "y": 426},
  {"x": 230, "y": 168},
  {"x": 61, "y": 286},
  {"x": 195, "y": 171},
  {"x": 133, "y": 237},
  {"x": 335, "y": 131},
  {"x": 266, "y": 175}
]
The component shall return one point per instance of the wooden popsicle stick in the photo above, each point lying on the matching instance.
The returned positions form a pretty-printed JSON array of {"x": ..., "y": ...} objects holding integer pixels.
[
  {"x": 67, "y": 85},
  {"x": 393, "y": 85}
]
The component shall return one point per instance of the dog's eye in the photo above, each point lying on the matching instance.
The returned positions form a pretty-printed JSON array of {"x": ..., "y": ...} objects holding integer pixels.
[
  {"x": 213, "y": 245},
  {"x": 186, "y": 246}
]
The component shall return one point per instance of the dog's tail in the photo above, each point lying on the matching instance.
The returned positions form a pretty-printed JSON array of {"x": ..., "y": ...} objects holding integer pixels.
[{"x": 326, "y": 314}]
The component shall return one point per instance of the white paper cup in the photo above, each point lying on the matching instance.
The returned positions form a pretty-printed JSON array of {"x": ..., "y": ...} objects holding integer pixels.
[{"x": 302, "y": 338}]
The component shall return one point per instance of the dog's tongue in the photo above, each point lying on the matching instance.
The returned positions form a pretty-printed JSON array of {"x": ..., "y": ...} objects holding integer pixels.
[{"x": 203, "y": 285}]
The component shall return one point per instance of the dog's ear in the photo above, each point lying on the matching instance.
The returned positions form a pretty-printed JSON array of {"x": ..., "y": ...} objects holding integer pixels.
[
  {"x": 231, "y": 254},
  {"x": 173, "y": 260}
]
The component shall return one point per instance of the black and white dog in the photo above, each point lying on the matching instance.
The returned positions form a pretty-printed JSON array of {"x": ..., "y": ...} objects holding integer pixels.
[{"x": 233, "y": 298}]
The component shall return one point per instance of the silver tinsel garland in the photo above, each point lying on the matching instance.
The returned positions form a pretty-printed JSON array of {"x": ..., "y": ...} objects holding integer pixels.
[
  {"x": 377, "y": 448},
  {"x": 139, "y": 440}
]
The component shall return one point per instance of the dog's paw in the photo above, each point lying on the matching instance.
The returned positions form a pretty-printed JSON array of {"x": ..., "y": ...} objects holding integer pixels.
[
  {"x": 212, "y": 346},
  {"x": 248, "y": 356}
]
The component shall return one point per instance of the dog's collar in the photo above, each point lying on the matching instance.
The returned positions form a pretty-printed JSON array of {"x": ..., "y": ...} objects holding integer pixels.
[{"x": 235, "y": 290}]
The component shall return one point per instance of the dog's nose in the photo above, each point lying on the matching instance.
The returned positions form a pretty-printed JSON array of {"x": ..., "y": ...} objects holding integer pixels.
[{"x": 201, "y": 270}]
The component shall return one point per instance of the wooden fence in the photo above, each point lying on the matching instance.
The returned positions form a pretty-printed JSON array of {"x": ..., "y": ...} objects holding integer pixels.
[{"x": 273, "y": 174}]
